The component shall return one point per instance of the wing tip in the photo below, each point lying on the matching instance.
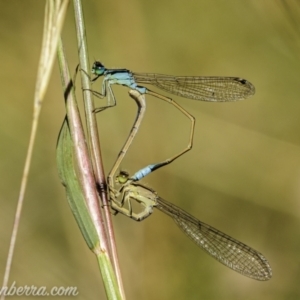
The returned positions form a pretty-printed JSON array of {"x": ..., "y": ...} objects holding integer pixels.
[{"x": 247, "y": 84}]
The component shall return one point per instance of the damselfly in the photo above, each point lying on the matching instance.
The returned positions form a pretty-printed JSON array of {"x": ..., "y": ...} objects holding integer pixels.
[
  {"x": 212, "y": 89},
  {"x": 227, "y": 250}
]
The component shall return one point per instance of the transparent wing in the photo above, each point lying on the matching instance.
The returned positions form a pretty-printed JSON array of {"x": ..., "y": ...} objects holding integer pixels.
[
  {"x": 230, "y": 252},
  {"x": 216, "y": 89}
]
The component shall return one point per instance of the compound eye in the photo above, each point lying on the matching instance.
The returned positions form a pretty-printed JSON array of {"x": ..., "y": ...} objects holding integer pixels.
[{"x": 122, "y": 177}]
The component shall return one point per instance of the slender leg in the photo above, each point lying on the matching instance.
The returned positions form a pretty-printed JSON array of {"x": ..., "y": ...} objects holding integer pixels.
[{"x": 105, "y": 90}]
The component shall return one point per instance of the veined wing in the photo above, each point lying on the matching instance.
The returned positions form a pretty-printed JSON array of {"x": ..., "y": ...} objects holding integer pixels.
[
  {"x": 230, "y": 252},
  {"x": 215, "y": 89}
]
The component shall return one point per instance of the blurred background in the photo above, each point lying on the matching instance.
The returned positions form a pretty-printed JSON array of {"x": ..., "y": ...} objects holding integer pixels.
[{"x": 242, "y": 175}]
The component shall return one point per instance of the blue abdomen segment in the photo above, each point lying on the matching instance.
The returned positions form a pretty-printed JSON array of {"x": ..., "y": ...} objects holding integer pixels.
[
  {"x": 147, "y": 170},
  {"x": 142, "y": 173}
]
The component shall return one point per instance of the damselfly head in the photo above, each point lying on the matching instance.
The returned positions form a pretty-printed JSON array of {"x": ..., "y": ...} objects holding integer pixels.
[
  {"x": 122, "y": 177},
  {"x": 98, "y": 68}
]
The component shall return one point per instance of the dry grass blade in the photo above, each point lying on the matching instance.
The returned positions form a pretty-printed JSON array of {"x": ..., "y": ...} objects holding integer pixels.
[{"x": 54, "y": 18}]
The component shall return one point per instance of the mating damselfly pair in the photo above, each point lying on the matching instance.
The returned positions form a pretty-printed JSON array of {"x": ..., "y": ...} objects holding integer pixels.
[{"x": 225, "y": 249}]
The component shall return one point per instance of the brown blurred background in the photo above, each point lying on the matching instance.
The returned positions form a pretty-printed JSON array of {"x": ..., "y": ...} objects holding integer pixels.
[{"x": 242, "y": 176}]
